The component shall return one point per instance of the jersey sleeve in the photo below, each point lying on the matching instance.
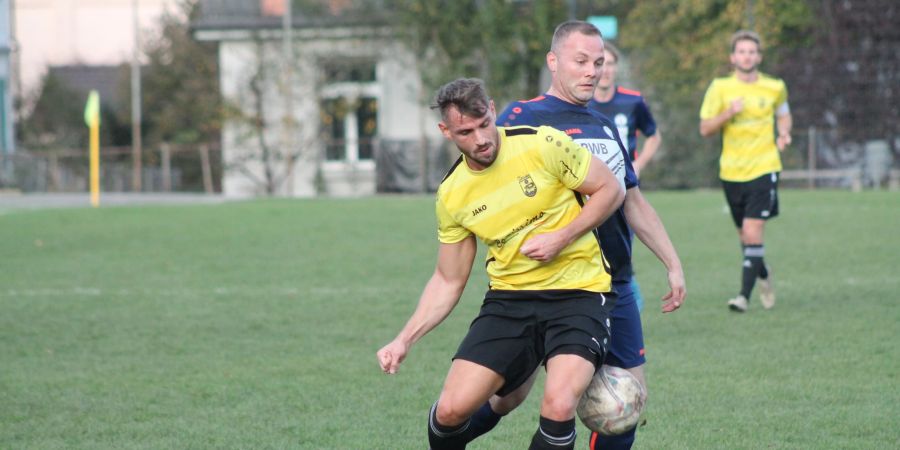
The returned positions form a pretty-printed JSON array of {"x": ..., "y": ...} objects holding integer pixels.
[
  {"x": 643, "y": 119},
  {"x": 563, "y": 157},
  {"x": 712, "y": 102},
  {"x": 449, "y": 230},
  {"x": 782, "y": 96},
  {"x": 517, "y": 113},
  {"x": 630, "y": 179}
]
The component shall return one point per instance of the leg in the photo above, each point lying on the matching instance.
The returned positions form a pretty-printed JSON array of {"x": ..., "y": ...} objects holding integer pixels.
[
  {"x": 738, "y": 195},
  {"x": 468, "y": 386},
  {"x": 761, "y": 204},
  {"x": 568, "y": 376},
  {"x": 626, "y": 350},
  {"x": 490, "y": 413}
]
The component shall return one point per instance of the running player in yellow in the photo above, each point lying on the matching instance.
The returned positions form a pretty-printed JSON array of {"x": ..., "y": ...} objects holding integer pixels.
[
  {"x": 522, "y": 192},
  {"x": 748, "y": 107}
]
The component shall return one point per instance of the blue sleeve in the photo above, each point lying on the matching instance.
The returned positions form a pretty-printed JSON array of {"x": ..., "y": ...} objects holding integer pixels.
[
  {"x": 517, "y": 113},
  {"x": 644, "y": 119},
  {"x": 631, "y": 179}
]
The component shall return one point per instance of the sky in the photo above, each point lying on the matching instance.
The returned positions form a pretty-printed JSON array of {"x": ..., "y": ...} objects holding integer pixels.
[{"x": 67, "y": 32}]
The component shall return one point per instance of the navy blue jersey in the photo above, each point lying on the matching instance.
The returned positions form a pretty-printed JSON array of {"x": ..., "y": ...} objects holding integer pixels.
[
  {"x": 595, "y": 132},
  {"x": 629, "y": 112}
]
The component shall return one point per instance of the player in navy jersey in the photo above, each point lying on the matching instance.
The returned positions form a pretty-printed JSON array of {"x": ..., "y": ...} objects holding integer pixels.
[
  {"x": 575, "y": 58},
  {"x": 627, "y": 110}
]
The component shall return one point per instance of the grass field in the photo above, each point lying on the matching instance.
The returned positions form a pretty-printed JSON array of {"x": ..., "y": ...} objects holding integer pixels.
[{"x": 255, "y": 324}]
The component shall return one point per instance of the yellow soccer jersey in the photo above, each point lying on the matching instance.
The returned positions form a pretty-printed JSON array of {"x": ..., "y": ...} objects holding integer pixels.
[
  {"x": 748, "y": 140},
  {"x": 528, "y": 190}
]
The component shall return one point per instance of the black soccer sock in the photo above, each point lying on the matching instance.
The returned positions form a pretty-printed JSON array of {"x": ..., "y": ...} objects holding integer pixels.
[
  {"x": 484, "y": 420},
  {"x": 553, "y": 435},
  {"x": 754, "y": 267},
  {"x": 442, "y": 437},
  {"x": 622, "y": 441}
]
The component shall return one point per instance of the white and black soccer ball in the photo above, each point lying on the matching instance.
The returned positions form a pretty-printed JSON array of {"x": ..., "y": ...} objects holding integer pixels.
[{"x": 613, "y": 402}]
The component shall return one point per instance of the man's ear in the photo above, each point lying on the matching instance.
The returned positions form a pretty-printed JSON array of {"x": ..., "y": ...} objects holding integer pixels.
[
  {"x": 444, "y": 130},
  {"x": 551, "y": 61}
]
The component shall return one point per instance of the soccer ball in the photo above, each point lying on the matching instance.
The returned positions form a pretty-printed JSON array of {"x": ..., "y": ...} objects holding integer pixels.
[{"x": 613, "y": 402}]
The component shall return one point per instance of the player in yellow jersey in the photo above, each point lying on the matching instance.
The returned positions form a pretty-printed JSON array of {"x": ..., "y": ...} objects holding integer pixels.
[
  {"x": 748, "y": 107},
  {"x": 531, "y": 195}
]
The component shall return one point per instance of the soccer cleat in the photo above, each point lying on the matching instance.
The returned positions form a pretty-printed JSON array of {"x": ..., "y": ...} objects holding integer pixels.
[
  {"x": 766, "y": 291},
  {"x": 738, "y": 304}
]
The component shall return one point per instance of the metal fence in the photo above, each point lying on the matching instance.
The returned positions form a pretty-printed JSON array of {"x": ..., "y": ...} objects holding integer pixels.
[
  {"x": 167, "y": 168},
  {"x": 820, "y": 159}
]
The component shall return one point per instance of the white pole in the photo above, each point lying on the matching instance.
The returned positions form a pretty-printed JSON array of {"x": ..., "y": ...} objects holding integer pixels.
[
  {"x": 287, "y": 61},
  {"x": 136, "y": 102}
]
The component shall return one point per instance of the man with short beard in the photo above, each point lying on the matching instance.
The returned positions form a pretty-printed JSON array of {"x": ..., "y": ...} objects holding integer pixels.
[{"x": 747, "y": 107}]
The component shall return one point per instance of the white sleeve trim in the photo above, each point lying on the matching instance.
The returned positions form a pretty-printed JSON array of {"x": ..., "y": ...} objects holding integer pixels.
[{"x": 782, "y": 110}]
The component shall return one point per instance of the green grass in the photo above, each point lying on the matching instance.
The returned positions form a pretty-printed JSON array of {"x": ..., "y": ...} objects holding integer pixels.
[{"x": 255, "y": 325}]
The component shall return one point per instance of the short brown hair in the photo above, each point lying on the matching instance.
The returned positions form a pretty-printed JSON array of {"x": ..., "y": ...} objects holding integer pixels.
[
  {"x": 468, "y": 95},
  {"x": 612, "y": 50},
  {"x": 564, "y": 29},
  {"x": 745, "y": 35}
]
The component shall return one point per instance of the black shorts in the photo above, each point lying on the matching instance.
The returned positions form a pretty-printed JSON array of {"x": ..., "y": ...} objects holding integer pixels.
[
  {"x": 513, "y": 336},
  {"x": 754, "y": 199}
]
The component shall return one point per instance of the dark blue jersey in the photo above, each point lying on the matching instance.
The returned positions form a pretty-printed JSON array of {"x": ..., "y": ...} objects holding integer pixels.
[
  {"x": 629, "y": 112},
  {"x": 598, "y": 134}
]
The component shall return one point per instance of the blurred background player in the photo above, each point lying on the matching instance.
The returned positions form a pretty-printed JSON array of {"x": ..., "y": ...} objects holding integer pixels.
[
  {"x": 575, "y": 60},
  {"x": 628, "y": 111},
  {"x": 748, "y": 107}
]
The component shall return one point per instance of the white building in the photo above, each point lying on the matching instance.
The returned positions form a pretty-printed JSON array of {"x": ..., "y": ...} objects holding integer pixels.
[{"x": 354, "y": 99}]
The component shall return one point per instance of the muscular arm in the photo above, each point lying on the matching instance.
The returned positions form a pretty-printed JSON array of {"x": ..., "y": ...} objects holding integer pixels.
[
  {"x": 650, "y": 230},
  {"x": 605, "y": 197},
  {"x": 783, "y": 123},
  {"x": 440, "y": 296},
  {"x": 651, "y": 144}
]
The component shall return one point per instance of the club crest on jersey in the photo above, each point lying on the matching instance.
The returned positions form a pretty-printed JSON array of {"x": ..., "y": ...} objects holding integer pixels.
[{"x": 528, "y": 186}]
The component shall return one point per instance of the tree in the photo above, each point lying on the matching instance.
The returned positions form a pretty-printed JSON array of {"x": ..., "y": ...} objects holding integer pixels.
[
  {"x": 56, "y": 121},
  {"x": 180, "y": 93},
  {"x": 847, "y": 79},
  {"x": 502, "y": 42}
]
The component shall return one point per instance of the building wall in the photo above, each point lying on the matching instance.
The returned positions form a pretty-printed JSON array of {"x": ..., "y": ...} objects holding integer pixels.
[{"x": 401, "y": 111}]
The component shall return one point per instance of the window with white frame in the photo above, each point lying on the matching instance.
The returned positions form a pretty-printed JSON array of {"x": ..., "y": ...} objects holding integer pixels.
[{"x": 349, "y": 111}]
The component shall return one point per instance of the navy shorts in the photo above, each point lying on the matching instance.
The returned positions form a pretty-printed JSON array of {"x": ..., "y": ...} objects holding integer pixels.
[
  {"x": 626, "y": 346},
  {"x": 514, "y": 336},
  {"x": 754, "y": 199}
]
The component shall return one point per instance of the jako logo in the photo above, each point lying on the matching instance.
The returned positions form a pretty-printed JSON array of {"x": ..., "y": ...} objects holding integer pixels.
[{"x": 479, "y": 210}]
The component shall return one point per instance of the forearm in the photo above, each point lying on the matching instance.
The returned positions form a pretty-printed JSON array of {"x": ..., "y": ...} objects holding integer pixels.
[
  {"x": 784, "y": 123},
  {"x": 648, "y": 227},
  {"x": 436, "y": 302},
  {"x": 651, "y": 144},
  {"x": 598, "y": 207},
  {"x": 708, "y": 127}
]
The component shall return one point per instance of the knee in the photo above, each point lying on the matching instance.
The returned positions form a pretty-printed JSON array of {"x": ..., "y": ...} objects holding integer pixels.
[
  {"x": 448, "y": 413},
  {"x": 559, "y": 407}
]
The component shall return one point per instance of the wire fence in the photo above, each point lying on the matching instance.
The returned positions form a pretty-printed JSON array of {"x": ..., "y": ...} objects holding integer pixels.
[{"x": 167, "y": 168}]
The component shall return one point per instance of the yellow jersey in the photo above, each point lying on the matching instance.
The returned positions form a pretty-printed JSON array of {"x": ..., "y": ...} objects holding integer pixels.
[
  {"x": 748, "y": 139},
  {"x": 528, "y": 190}
]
